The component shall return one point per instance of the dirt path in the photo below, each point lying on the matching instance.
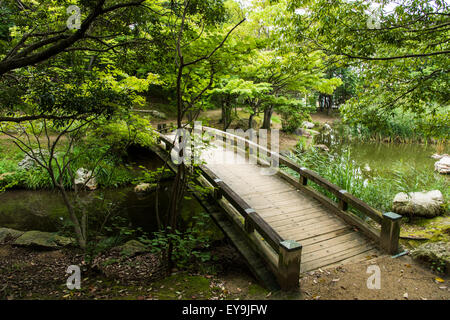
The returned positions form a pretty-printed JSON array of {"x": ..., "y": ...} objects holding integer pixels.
[
  {"x": 401, "y": 279},
  {"x": 30, "y": 274}
]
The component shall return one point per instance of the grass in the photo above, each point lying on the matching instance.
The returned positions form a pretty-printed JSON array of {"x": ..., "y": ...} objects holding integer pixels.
[{"x": 378, "y": 192}]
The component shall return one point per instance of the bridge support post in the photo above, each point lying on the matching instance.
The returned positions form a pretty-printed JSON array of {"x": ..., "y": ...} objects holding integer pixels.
[
  {"x": 289, "y": 265},
  {"x": 390, "y": 232}
]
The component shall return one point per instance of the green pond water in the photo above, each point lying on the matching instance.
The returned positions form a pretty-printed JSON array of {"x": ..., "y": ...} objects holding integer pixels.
[
  {"x": 382, "y": 159},
  {"x": 45, "y": 211}
]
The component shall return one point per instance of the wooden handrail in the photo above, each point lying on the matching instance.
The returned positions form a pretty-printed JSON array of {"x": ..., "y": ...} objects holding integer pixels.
[
  {"x": 389, "y": 227},
  {"x": 307, "y": 174},
  {"x": 247, "y": 212},
  {"x": 244, "y": 209}
]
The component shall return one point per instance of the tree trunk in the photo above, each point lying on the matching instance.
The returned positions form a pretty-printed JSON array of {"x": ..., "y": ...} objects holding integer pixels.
[
  {"x": 250, "y": 121},
  {"x": 267, "y": 118}
]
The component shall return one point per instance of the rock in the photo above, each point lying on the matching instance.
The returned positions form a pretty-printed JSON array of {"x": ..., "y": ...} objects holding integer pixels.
[
  {"x": 7, "y": 234},
  {"x": 327, "y": 128},
  {"x": 132, "y": 248},
  {"x": 443, "y": 165},
  {"x": 308, "y": 125},
  {"x": 145, "y": 188},
  {"x": 158, "y": 114},
  {"x": 28, "y": 162},
  {"x": 85, "y": 178},
  {"x": 45, "y": 240},
  {"x": 322, "y": 147},
  {"x": 439, "y": 156},
  {"x": 437, "y": 252},
  {"x": 302, "y": 132},
  {"x": 420, "y": 204}
]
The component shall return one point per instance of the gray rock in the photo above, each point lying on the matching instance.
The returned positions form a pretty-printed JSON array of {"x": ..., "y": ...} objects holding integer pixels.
[
  {"x": 443, "y": 165},
  {"x": 308, "y": 125},
  {"x": 327, "y": 128},
  {"x": 434, "y": 252},
  {"x": 43, "y": 240},
  {"x": 302, "y": 132},
  {"x": 145, "y": 188},
  {"x": 132, "y": 248},
  {"x": 322, "y": 147},
  {"x": 7, "y": 234},
  {"x": 158, "y": 114},
  {"x": 28, "y": 162},
  {"x": 420, "y": 204},
  {"x": 439, "y": 156},
  {"x": 85, "y": 178}
]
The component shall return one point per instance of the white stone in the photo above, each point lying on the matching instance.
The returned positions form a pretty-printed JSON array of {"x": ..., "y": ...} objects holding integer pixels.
[
  {"x": 439, "y": 156},
  {"x": 422, "y": 204},
  {"x": 85, "y": 178},
  {"x": 308, "y": 125},
  {"x": 443, "y": 165}
]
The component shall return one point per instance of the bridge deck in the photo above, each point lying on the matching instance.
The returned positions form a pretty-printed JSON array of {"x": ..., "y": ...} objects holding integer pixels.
[{"x": 327, "y": 240}]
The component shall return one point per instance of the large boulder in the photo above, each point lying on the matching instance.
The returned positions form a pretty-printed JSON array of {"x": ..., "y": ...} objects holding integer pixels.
[
  {"x": 7, "y": 234},
  {"x": 44, "y": 240},
  {"x": 443, "y": 165},
  {"x": 437, "y": 253},
  {"x": 85, "y": 178},
  {"x": 419, "y": 204}
]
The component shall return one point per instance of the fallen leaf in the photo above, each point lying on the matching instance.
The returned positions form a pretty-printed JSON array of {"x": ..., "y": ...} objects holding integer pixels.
[{"x": 335, "y": 280}]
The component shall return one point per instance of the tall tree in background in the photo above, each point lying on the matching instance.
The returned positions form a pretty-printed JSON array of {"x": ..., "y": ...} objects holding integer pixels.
[{"x": 400, "y": 51}]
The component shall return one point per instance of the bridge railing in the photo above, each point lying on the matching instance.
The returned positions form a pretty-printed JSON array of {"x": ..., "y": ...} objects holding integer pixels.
[
  {"x": 287, "y": 253},
  {"x": 389, "y": 234}
]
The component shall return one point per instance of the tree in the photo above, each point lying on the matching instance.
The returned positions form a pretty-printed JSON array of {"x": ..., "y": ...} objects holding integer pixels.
[
  {"x": 288, "y": 70},
  {"x": 400, "y": 50}
]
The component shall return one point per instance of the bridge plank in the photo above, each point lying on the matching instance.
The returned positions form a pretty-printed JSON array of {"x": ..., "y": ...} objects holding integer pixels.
[{"x": 336, "y": 258}]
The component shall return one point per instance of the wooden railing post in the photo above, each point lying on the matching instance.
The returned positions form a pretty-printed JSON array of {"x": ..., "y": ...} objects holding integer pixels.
[
  {"x": 248, "y": 226},
  {"x": 217, "y": 191},
  {"x": 289, "y": 265},
  {"x": 390, "y": 232},
  {"x": 343, "y": 205}
]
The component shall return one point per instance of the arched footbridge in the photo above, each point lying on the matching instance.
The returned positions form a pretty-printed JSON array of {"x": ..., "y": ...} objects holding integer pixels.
[{"x": 279, "y": 223}]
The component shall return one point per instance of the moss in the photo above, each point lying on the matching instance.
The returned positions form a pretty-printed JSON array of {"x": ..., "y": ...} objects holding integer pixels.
[
  {"x": 184, "y": 285},
  {"x": 256, "y": 291}
]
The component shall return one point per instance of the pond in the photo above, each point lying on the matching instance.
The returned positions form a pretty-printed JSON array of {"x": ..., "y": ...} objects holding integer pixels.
[
  {"x": 381, "y": 159},
  {"x": 44, "y": 210}
]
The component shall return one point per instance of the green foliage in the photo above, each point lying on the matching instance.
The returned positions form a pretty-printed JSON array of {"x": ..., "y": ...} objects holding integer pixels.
[
  {"x": 378, "y": 192},
  {"x": 188, "y": 246},
  {"x": 372, "y": 123}
]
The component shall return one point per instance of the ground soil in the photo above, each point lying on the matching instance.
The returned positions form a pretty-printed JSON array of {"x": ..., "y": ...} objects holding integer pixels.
[{"x": 31, "y": 274}]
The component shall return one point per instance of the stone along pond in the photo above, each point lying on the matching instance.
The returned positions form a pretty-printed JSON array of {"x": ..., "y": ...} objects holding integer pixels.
[{"x": 44, "y": 210}]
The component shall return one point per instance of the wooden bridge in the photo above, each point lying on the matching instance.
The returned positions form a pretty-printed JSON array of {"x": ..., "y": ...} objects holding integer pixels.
[{"x": 279, "y": 223}]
